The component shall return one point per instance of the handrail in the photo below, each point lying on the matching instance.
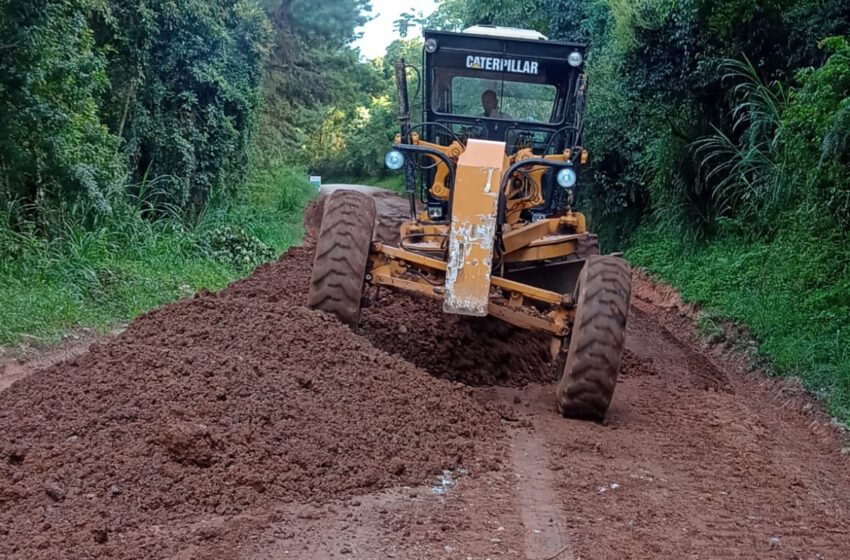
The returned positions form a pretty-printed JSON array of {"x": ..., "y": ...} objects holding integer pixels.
[
  {"x": 438, "y": 154},
  {"x": 516, "y": 167}
]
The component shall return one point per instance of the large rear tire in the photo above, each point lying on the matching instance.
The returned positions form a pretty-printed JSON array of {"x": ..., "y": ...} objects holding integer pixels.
[
  {"x": 342, "y": 252},
  {"x": 598, "y": 336}
]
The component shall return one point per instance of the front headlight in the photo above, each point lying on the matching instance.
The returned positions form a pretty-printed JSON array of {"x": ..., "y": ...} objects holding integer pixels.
[
  {"x": 431, "y": 46},
  {"x": 575, "y": 59},
  {"x": 394, "y": 160},
  {"x": 567, "y": 177}
]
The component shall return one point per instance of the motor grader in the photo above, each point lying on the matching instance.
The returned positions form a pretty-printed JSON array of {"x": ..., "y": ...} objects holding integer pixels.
[{"x": 492, "y": 174}]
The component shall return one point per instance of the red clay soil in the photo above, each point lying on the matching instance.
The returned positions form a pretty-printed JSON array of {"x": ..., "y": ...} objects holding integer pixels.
[
  {"x": 242, "y": 425},
  {"x": 699, "y": 458},
  {"x": 215, "y": 405},
  {"x": 471, "y": 350}
]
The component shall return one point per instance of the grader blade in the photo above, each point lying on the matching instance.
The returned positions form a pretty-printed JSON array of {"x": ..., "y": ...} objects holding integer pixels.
[{"x": 473, "y": 228}]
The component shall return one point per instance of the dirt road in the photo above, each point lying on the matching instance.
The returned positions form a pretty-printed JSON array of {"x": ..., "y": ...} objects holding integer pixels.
[{"x": 242, "y": 425}]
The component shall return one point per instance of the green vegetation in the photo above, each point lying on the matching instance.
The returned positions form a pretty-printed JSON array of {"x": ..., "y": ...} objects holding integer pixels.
[
  {"x": 138, "y": 159},
  {"x": 792, "y": 292},
  {"x": 356, "y": 131},
  {"x": 97, "y": 276},
  {"x": 95, "y": 95}
]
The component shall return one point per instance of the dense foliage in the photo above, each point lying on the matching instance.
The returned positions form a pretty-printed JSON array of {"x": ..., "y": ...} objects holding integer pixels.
[
  {"x": 313, "y": 72},
  {"x": 129, "y": 173},
  {"x": 96, "y": 96},
  {"x": 53, "y": 141},
  {"x": 354, "y": 136},
  {"x": 186, "y": 93}
]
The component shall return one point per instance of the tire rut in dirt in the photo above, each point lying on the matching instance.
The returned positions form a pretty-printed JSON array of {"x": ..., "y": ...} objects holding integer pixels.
[
  {"x": 342, "y": 251},
  {"x": 599, "y": 333}
]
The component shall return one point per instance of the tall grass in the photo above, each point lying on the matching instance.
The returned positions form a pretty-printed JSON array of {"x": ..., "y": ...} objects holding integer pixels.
[
  {"x": 98, "y": 274},
  {"x": 747, "y": 166}
]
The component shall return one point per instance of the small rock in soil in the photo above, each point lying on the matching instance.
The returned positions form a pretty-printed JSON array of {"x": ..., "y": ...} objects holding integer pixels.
[{"x": 55, "y": 491}]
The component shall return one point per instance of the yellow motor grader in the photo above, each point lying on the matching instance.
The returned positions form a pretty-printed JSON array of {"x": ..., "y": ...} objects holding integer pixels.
[{"x": 492, "y": 176}]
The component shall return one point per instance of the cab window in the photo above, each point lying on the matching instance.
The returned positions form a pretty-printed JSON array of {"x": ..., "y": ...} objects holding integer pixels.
[{"x": 519, "y": 101}]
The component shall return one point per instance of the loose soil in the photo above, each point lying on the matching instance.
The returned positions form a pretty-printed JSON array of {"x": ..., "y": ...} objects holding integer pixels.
[{"x": 243, "y": 425}]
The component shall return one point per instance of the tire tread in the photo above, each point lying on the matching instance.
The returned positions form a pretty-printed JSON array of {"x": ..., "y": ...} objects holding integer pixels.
[
  {"x": 342, "y": 252},
  {"x": 598, "y": 338}
]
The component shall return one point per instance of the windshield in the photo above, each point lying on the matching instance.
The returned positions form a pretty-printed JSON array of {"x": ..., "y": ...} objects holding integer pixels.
[{"x": 502, "y": 99}]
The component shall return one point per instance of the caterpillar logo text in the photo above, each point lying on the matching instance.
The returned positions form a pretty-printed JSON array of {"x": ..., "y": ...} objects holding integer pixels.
[{"x": 511, "y": 65}]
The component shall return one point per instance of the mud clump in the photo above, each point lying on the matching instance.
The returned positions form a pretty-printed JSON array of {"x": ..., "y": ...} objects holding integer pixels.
[
  {"x": 215, "y": 406},
  {"x": 190, "y": 444},
  {"x": 313, "y": 218}
]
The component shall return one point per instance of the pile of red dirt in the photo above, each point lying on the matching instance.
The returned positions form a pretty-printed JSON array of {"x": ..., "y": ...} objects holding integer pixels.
[
  {"x": 470, "y": 350},
  {"x": 215, "y": 405},
  {"x": 231, "y": 401}
]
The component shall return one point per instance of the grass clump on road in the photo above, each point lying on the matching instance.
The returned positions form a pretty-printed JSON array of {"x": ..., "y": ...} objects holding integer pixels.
[
  {"x": 128, "y": 263},
  {"x": 792, "y": 292}
]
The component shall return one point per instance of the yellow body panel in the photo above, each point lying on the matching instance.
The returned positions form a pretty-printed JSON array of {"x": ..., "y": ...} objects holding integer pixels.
[
  {"x": 455, "y": 261},
  {"x": 453, "y": 150},
  {"x": 473, "y": 227}
]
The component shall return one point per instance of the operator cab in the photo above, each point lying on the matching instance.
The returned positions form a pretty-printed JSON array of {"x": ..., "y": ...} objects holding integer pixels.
[{"x": 503, "y": 84}]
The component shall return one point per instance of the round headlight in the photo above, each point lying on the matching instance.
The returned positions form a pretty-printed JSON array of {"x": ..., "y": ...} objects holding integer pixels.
[
  {"x": 394, "y": 160},
  {"x": 431, "y": 46},
  {"x": 567, "y": 177},
  {"x": 575, "y": 59}
]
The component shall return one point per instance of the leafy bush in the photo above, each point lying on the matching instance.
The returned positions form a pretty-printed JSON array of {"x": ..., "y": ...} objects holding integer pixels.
[
  {"x": 817, "y": 120},
  {"x": 231, "y": 245},
  {"x": 355, "y": 135},
  {"x": 680, "y": 129},
  {"x": 187, "y": 78},
  {"x": 14, "y": 245},
  {"x": 747, "y": 167},
  {"x": 53, "y": 141}
]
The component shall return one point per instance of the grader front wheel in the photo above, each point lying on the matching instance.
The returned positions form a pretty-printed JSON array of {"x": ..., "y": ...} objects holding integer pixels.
[
  {"x": 342, "y": 252},
  {"x": 598, "y": 337}
]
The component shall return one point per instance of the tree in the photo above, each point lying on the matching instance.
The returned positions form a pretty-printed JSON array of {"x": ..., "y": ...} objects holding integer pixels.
[
  {"x": 93, "y": 93},
  {"x": 53, "y": 144},
  {"x": 312, "y": 67}
]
